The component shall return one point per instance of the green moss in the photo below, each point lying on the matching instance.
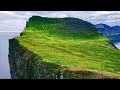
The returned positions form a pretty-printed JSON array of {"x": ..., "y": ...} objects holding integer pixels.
[{"x": 72, "y": 48}]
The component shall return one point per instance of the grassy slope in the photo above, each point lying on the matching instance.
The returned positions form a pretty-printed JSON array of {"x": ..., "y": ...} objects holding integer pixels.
[{"x": 70, "y": 48}]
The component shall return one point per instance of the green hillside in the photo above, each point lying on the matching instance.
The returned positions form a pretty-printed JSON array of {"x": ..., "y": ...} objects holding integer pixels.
[{"x": 70, "y": 42}]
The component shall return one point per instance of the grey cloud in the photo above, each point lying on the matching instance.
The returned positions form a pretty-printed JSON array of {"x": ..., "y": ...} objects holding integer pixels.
[
  {"x": 95, "y": 17},
  {"x": 12, "y": 25}
]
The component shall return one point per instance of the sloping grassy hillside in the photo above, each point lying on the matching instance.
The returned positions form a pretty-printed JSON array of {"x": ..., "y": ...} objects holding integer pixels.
[{"x": 71, "y": 42}]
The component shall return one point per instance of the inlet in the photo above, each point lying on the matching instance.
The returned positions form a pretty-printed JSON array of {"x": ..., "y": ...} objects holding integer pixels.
[{"x": 8, "y": 30}]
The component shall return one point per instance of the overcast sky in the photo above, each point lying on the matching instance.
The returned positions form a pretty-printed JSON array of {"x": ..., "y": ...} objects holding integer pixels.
[{"x": 95, "y": 17}]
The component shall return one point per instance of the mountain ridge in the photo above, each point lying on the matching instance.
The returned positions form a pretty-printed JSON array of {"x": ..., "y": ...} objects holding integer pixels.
[
  {"x": 104, "y": 27},
  {"x": 68, "y": 23}
]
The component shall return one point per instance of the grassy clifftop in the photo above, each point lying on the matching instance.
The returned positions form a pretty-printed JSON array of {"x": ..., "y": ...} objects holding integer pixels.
[{"x": 70, "y": 42}]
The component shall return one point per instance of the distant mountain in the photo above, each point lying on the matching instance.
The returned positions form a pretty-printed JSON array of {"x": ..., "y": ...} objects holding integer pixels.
[
  {"x": 103, "y": 26},
  {"x": 116, "y": 27},
  {"x": 112, "y": 33},
  {"x": 107, "y": 30}
]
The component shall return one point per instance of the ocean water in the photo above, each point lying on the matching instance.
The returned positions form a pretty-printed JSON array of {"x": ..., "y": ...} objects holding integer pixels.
[{"x": 8, "y": 30}]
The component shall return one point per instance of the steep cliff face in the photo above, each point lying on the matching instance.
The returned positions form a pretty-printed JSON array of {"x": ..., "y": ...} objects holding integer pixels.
[{"x": 24, "y": 65}]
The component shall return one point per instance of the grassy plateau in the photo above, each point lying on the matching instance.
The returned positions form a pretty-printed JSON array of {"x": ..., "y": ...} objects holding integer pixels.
[{"x": 70, "y": 42}]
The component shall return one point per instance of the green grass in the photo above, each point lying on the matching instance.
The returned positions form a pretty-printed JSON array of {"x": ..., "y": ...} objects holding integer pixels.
[{"x": 71, "y": 48}]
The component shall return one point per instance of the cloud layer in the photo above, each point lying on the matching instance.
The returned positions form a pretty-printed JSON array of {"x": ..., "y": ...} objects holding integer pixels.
[{"x": 108, "y": 17}]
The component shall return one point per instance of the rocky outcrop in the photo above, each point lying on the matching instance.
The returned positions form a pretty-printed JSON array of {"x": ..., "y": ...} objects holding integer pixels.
[{"x": 24, "y": 64}]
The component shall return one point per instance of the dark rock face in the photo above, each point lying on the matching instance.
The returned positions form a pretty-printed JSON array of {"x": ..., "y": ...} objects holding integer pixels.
[{"x": 23, "y": 64}]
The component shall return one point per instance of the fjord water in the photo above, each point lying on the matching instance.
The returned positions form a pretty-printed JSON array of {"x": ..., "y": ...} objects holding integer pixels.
[
  {"x": 115, "y": 39},
  {"x": 8, "y": 30}
]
